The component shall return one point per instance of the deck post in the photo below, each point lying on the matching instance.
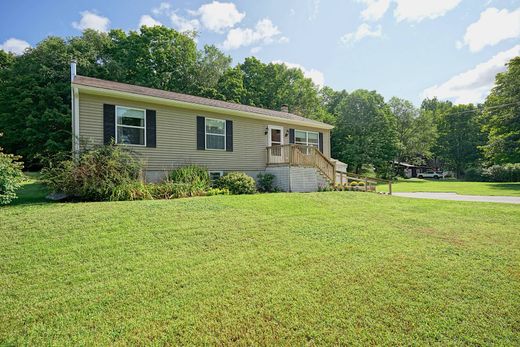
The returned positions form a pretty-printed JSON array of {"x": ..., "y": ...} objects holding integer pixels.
[{"x": 390, "y": 187}]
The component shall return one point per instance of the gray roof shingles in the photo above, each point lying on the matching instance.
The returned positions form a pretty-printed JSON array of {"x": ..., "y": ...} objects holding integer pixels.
[{"x": 129, "y": 88}]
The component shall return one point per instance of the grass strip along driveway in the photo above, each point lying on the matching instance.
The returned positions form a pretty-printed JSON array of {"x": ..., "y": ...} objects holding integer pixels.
[
  {"x": 451, "y": 186},
  {"x": 289, "y": 269}
]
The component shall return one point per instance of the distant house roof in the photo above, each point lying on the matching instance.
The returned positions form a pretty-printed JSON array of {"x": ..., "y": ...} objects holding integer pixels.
[{"x": 96, "y": 83}]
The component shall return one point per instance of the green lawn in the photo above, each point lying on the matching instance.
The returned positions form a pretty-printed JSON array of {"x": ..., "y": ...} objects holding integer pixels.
[
  {"x": 460, "y": 187},
  {"x": 336, "y": 268}
]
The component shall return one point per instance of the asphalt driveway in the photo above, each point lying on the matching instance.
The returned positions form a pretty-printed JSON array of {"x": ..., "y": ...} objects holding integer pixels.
[{"x": 455, "y": 196}]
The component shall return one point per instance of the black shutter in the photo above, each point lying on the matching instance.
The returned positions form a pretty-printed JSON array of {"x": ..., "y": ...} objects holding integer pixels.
[
  {"x": 109, "y": 123},
  {"x": 201, "y": 133},
  {"x": 151, "y": 128},
  {"x": 320, "y": 142},
  {"x": 229, "y": 136},
  {"x": 291, "y": 135}
]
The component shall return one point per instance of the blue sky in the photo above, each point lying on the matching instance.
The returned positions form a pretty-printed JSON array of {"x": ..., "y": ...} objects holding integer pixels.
[{"x": 406, "y": 48}]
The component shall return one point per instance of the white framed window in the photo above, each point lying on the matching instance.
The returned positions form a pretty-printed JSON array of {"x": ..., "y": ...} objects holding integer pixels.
[
  {"x": 307, "y": 138},
  {"x": 215, "y": 175},
  {"x": 215, "y": 133},
  {"x": 130, "y": 126}
]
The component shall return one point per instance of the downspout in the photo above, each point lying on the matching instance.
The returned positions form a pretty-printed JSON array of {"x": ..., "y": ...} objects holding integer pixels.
[{"x": 74, "y": 110}]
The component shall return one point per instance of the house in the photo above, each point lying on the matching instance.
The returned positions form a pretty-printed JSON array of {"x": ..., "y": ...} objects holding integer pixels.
[{"x": 168, "y": 130}]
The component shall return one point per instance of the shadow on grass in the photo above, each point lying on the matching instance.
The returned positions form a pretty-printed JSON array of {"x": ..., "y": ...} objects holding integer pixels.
[
  {"x": 505, "y": 186},
  {"x": 31, "y": 192}
]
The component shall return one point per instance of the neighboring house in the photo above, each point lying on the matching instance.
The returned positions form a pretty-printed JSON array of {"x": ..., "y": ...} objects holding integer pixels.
[{"x": 168, "y": 130}]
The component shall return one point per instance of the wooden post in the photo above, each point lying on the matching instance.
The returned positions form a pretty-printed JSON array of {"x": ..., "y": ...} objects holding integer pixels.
[
  {"x": 366, "y": 184},
  {"x": 390, "y": 187}
]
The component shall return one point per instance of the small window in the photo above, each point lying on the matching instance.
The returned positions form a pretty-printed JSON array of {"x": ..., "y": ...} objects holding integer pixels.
[
  {"x": 131, "y": 126},
  {"x": 215, "y": 133},
  {"x": 215, "y": 175}
]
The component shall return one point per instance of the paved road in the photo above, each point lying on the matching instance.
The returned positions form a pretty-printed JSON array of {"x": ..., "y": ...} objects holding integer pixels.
[{"x": 455, "y": 196}]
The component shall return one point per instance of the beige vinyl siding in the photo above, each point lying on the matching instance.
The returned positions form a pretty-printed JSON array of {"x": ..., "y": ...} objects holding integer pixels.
[{"x": 176, "y": 136}]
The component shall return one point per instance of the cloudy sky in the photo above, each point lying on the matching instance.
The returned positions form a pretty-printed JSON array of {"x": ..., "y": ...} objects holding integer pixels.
[{"x": 412, "y": 49}]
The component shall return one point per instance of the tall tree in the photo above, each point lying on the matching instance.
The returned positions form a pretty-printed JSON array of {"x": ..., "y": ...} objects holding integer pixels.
[
  {"x": 365, "y": 132},
  {"x": 459, "y": 138},
  {"x": 502, "y": 116}
]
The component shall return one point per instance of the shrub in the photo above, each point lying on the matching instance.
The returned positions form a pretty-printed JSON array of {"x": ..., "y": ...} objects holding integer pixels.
[
  {"x": 100, "y": 173},
  {"x": 10, "y": 176},
  {"x": 353, "y": 184},
  {"x": 131, "y": 191},
  {"x": 194, "y": 175},
  {"x": 265, "y": 182},
  {"x": 217, "y": 191},
  {"x": 503, "y": 173},
  {"x": 474, "y": 174},
  {"x": 361, "y": 184},
  {"x": 237, "y": 183}
]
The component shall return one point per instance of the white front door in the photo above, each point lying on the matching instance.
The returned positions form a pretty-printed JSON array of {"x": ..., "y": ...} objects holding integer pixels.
[
  {"x": 275, "y": 135},
  {"x": 275, "y": 138}
]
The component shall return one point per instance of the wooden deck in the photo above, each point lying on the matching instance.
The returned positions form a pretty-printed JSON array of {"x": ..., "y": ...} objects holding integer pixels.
[{"x": 310, "y": 156}]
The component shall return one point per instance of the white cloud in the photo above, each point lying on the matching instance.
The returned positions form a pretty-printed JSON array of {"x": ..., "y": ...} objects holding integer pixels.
[
  {"x": 264, "y": 32},
  {"x": 15, "y": 46},
  {"x": 148, "y": 20},
  {"x": 163, "y": 8},
  {"x": 317, "y": 76},
  {"x": 473, "y": 86},
  {"x": 218, "y": 16},
  {"x": 375, "y": 9},
  {"x": 90, "y": 20},
  {"x": 416, "y": 11},
  {"x": 314, "y": 9},
  {"x": 364, "y": 30},
  {"x": 255, "y": 49},
  {"x": 183, "y": 24},
  {"x": 492, "y": 27}
]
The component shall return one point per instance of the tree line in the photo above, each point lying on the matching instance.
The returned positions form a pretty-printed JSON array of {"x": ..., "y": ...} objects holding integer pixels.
[{"x": 370, "y": 133}]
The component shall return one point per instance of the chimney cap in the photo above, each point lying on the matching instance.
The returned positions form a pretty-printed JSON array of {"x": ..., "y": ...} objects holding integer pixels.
[{"x": 284, "y": 108}]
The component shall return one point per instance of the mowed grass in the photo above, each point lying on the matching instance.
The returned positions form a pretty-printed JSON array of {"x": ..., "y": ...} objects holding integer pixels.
[
  {"x": 275, "y": 269},
  {"x": 452, "y": 186}
]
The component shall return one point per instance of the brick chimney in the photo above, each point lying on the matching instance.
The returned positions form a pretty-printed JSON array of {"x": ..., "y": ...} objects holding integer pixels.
[{"x": 284, "y": 108}]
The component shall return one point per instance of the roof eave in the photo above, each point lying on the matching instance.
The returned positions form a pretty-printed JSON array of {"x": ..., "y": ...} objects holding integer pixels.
[{"x": 194, "y": 106}]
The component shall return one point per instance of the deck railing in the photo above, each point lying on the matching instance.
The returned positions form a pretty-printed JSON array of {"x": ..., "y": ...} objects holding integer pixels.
[
  {"x": 301, "y": 155},
  {"x": 310, "y": 156}
]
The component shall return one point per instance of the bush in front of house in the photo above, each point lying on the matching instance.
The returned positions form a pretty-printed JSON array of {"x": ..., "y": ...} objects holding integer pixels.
[
  {"x": 237, "y": 183},
  {"x": 474, "y": 174},
  {"x": 194, "y": 175},
  {"x": 265, "y": 182},
  {"x": 11, "y": 176},
  {"x": 100, "y": 173}
]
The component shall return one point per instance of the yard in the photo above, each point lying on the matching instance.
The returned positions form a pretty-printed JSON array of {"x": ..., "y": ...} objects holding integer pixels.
[
  {"x": 289, "y": 269},
  {"x": 452, "y": 186}
]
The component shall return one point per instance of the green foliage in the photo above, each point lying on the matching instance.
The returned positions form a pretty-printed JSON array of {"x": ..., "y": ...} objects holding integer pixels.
[
  {"x": 11, "y": 176},
  {"x": 131, "y": 191},
  {"x": 502, "y": 116},
  {"x": 503, "y": 173},
  {"x": 459, "y": 137},
  {"x": 193, "y": 175},
  {"x": 265, "y": 182},
  {"x": 365, "y": 132},
  {"x": 473, "y": 174},
  {"x": 237, "y": 183},
  {"x": 100, "y": 173},
  {"x": 217, "y": 191},
  {"x": 175, "y": 190}
]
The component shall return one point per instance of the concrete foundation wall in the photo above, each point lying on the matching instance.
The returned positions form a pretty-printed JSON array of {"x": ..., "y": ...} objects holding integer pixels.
[{"x": 287, "y": 179}]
